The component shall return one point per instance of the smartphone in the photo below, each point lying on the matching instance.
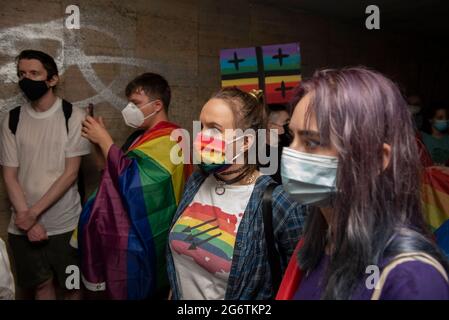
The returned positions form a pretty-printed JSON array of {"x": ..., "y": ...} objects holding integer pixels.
[{"x": 90, "y": 109}]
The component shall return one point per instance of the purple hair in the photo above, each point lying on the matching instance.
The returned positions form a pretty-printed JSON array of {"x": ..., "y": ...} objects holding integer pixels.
[{"x": 358, "y": 111}]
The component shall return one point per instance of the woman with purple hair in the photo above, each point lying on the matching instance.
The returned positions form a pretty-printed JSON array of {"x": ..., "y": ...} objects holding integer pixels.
[{"x": 354, "y": 161}]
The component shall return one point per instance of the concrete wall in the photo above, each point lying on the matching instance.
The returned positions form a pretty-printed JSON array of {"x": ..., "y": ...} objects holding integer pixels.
[{"x": 181, "y": 40}]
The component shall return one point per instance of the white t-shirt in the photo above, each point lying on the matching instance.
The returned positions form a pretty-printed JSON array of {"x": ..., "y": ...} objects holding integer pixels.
[
  {"x": 202, "y": 240},
  {"x": 39, "y": 149}
]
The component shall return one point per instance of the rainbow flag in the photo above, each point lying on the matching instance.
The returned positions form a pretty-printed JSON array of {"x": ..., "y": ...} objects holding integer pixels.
[
  {"x": 123, "y": 228},
  {"x": 275, "y": 69},
  {"x": 435, "y": 198},
  {"x": 292, "y": 276}
]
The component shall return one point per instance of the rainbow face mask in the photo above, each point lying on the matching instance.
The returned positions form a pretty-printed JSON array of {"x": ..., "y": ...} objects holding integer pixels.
[{"x": 210, "y": 151}]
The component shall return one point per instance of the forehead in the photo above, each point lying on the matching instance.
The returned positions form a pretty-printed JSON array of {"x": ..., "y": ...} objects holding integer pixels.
[
  {"x": 298, "y": 120},
  {"x": 30, "y": 64},
  {"x": 218, "y": 111},
  {"x": 441, "y": 113},
  {"x": 414, "y": 100},
  {"x": 138, "y": 95},
  {"x": 283, "y": 115}
]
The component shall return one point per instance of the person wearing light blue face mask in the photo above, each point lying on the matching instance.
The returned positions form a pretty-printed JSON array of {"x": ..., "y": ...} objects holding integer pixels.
[
  {"x": 358, "y": 171},
  {"x": 314, "y": 184},
  {"x": 435, "y": 134}
]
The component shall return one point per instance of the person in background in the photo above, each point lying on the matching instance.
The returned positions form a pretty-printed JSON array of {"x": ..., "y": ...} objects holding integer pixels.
[
  {"x": 123, "y": 248},
  {"x": 7, "y": 289},
  {"x": 416, "y": 109},
  {"x": 278, "y": 119},
  {"x": 41, "y": 150},
  {"x": 435, "y": 134},
  {"x": 217, "y": 246},
  {"x": 365, "y": 236}
]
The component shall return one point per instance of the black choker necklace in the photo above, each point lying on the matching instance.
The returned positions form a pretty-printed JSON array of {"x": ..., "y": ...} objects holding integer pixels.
[
  {"x": 220, "y": 188},
  {"x": 227, "y": 173}
]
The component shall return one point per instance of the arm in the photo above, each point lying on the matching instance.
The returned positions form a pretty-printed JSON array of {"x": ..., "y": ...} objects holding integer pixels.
[
  {"x": 9, "y": 157},
  {"x": 288, "y": 223},
  {"x": 17, "y": 198},
  {"x": 99, "y": 152},
  {"x": 25, "y": 220},
  {"x": 14, "y": 190},
  {"x": 95, "y": 131}
]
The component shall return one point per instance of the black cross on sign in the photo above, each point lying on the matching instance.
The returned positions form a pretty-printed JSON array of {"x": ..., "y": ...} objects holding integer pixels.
[
  {"x": 236, "y": 61},
  {"x": 283, "y": 88},
  {"x": 280, "y": 56}
]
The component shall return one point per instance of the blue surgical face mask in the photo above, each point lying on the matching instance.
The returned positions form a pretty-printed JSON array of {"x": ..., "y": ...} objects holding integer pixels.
[
  {"x": 441, "y": 125},
  {"x": 308, "y": 178}
]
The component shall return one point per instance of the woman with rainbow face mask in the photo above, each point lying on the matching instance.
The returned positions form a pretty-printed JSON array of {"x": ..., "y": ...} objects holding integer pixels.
[{"x": 217, "y": 247}]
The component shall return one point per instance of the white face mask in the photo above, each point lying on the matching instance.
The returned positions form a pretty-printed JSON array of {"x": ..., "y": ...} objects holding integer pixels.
[
  {"x": 310, "y": 179},
  {"x": 133, "y": 116}
]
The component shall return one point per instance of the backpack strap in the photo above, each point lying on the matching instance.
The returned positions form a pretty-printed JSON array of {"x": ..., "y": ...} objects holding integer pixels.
[
  {"x": 67, "y": 109},
  {"x": 405, "y": 257},
  {"x": 273, "y": 254},
  {"x": 14, "y": 116}
]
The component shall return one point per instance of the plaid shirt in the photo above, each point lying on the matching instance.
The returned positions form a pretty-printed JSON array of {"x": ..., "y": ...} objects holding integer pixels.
[{"x": 250, "y": 276}]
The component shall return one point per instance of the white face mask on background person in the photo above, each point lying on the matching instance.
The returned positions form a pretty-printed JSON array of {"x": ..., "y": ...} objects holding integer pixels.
[
  {"x": 309, "y": 179},
  {"x": 133, "y": 116}
]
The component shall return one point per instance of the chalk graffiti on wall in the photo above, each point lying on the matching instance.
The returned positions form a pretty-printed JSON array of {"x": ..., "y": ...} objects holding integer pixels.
[{"x": 70, "y": 53}]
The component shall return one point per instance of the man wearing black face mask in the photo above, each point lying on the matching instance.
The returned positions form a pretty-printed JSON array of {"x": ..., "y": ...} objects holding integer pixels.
[
  {"x": 41, "y": 149},
  {"x": 278, "y": 119}
]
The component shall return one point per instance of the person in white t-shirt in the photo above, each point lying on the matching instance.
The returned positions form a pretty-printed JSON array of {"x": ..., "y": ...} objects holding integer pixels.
[
  {"x": 217, "y": 244},
  {"x": 41, "y": 149}
]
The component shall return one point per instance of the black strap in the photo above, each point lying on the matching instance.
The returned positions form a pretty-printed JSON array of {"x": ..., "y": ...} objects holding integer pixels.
[
  {"x": 132, "y": 137},
  {"x": 67, "y": 109},
  {"x": 14, "y": 116},
  {"x": 273, "y": 254}
]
